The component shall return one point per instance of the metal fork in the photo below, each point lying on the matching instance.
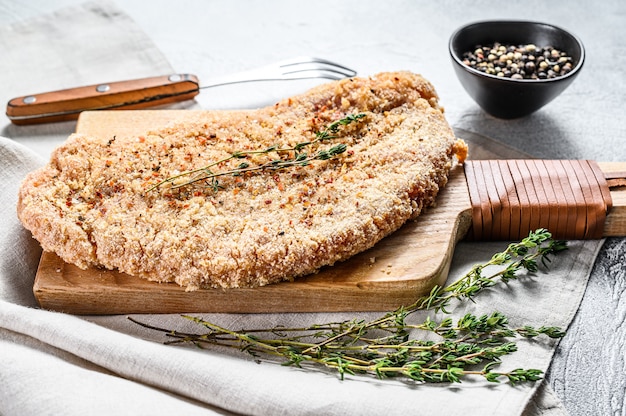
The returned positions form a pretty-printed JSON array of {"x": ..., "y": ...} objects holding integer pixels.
[
  {"x": 304, "y": 67},
  {"x": 148, "y": 92}
]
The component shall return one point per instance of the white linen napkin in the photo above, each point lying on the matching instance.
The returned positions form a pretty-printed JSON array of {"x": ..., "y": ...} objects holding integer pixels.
[
  {"x": 72, "y": 47},
  {"x": 55, "y": 363}
]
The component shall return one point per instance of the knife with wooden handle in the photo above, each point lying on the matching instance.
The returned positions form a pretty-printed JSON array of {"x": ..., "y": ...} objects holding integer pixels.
[{"x": 67, "y": 104}]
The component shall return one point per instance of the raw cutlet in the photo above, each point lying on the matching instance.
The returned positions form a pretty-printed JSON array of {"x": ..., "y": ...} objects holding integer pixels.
[{"x": 95, "y": 203}]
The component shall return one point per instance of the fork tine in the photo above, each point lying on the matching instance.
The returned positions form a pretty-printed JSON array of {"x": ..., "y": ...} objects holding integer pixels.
[
  {"x": 341, "y": 73},
  {"x": 316, "y": 63},
  {"x": 313, "y": 73},
  {"x": 297, "y": 68}
]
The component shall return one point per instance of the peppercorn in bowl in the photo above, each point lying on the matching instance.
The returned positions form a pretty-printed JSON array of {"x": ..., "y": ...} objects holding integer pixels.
[{"x": 513, "y": 68}]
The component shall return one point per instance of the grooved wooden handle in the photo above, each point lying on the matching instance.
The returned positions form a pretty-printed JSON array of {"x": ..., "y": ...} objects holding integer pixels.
[
  {"x": 573, "y": 199},
  {"x": 69, "y": 103}
]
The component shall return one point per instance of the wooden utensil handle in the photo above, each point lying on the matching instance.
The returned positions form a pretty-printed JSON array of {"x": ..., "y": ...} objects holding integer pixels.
[
  {"x": 573, "y": 199},
  {"x": 69, "y": 103}
]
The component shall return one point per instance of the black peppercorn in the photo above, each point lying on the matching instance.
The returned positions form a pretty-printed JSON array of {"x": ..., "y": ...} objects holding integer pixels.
[{"x": 519, "y": 61}]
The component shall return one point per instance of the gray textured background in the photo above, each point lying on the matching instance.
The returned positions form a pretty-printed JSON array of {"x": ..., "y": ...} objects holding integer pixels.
[{"x": 586, "y": 121}]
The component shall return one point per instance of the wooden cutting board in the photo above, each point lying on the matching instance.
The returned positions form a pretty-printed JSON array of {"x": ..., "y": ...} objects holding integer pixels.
[{"x": 396, "y": 271}]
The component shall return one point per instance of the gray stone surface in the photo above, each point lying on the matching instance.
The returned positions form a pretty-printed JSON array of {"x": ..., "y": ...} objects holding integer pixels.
[{"x": 586, "y": 121}]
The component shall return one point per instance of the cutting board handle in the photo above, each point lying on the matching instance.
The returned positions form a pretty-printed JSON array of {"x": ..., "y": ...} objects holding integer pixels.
[
  {"x": 570, "y": 198},
  {"x": 615, "y": 223}
]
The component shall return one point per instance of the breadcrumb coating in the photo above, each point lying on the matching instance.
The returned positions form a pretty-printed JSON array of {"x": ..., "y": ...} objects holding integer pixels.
[{"x": 92, "y": 204}]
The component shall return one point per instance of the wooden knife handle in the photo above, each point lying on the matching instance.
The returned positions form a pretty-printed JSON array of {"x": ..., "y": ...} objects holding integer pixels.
[{"x": 69, "y": 103}]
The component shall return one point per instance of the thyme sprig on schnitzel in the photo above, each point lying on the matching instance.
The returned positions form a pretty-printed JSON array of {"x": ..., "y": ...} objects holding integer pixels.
[{"x": 289, "y": 156}]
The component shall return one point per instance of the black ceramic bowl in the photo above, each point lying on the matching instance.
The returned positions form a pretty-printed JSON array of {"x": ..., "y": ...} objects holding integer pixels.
[{"x": 505, "y": 97}]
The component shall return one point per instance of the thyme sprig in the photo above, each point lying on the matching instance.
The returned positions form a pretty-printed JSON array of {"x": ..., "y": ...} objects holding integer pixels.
[
  {"x": 517, "y": 256},
  {"x": 287, "y": 157},
  {"x": 386, "y": 347}
]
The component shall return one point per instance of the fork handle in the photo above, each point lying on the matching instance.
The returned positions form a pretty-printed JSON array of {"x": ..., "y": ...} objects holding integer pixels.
[{"x": 67, "y": 104}]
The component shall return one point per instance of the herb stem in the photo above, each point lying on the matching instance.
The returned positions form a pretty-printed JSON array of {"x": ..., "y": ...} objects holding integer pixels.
[
  {"x": 355, "y": 346},
  {"x": 300, "y": 158}
]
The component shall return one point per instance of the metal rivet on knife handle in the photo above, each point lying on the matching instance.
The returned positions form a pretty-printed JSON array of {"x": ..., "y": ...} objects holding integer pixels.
[
  {"x": 29, "y": 100},
  {"x": 103, "y": 87}
]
